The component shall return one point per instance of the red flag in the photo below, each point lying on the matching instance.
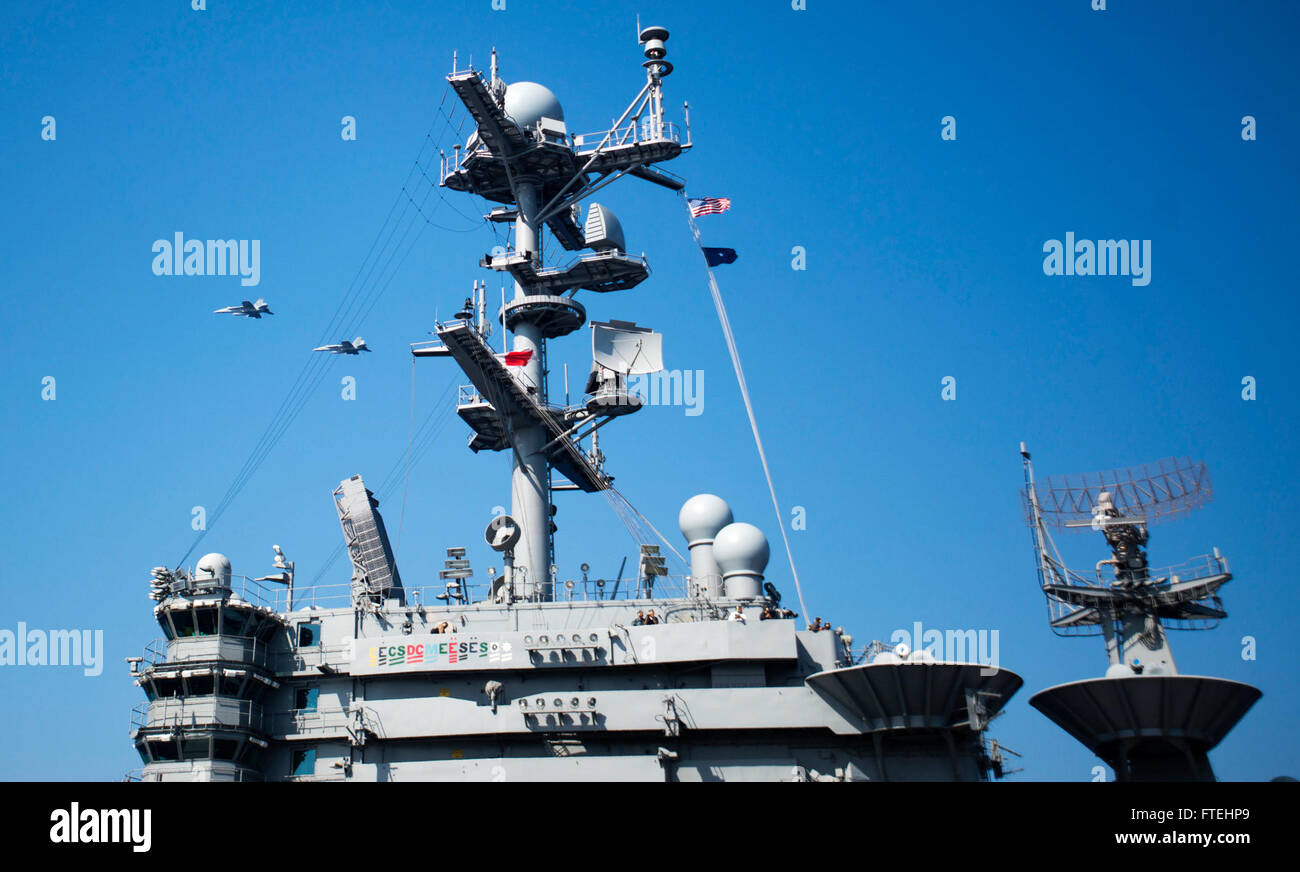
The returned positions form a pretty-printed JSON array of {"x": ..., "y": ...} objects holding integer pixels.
[{"x": 518, "y": 358}]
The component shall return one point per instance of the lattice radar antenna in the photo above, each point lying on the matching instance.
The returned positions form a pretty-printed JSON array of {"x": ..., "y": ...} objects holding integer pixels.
[{"x": 1124, "y": 599}]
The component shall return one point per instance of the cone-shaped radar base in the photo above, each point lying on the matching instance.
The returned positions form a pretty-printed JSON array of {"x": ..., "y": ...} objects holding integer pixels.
[{"x": 1150, "y": 728}]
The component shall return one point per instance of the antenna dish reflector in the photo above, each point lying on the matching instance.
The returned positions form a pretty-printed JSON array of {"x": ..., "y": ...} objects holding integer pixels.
[
  {"x": 623, "y": 347},
  {"x": 603, "y": 230},
  {"x": 502, "y": 533}
]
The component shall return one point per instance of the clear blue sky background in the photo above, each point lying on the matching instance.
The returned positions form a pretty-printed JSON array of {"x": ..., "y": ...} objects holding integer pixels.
[{"x": 924, "y": 261}]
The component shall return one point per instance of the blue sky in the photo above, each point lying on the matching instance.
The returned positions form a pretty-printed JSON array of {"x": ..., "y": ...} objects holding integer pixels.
[{"x": 924, "y": 260}]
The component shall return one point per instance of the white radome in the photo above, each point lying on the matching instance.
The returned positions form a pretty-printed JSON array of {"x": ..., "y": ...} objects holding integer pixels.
[
  {"x": 213, "y": 565},
  {"x": 702, "y": 516},
  {"x": 526, "y": 103},
  {"x": 741, "y": 549}
]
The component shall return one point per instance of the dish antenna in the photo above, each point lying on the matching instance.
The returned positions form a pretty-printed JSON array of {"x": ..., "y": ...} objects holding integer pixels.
[
  {"x": 620, "y": 349},
  {"x": 502, "y": 533},
  {"x": 622, "y": 346}
]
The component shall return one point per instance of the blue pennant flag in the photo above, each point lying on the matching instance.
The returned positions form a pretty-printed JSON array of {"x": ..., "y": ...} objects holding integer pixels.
[{"x": 716, "y": 256}]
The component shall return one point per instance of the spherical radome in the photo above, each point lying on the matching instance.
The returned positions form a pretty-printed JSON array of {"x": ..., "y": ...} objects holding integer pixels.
[
  {"x": 527, "y": 102},
  {"x": 702, "y": 516},
  {"x": 213, "y": 565},
  {"x": 741, "y": 549}
]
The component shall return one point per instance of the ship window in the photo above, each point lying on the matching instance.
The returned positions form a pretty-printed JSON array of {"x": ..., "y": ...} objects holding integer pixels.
[
  {"x": 144, "y": 755},
  {"x": 305, "y": 698},
  {"x": 309, "y": 634},
  {"x": 224, "y": 749},
  {"x": 201, "y": 685},
  {"x": 232, "y": 622},
  {"x": 207, "y": 621},
  {"x": 230, "y": 686},
  {"x": 164, "y": 750},
  {"x": 184, "y": 622},
  {"x": 304, "y": 761},
  {"x": 194, "y": 749}
]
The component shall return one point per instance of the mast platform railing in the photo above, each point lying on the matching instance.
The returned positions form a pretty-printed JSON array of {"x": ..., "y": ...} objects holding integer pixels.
[
  {"x": 1202, "y": 566},
  {"x": 634, "y": 132}
]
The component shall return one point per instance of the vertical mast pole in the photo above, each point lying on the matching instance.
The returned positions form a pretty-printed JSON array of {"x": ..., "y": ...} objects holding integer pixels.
[{"x": 530, "y": 481}]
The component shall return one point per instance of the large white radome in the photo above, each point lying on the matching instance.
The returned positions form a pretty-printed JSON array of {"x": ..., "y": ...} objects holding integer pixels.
[
  {"x": 213, "y": 565},
  {"x": 702, "y": 516},
  {"x": 741, "y": 549},
  {"x": 528, "y": 102}
]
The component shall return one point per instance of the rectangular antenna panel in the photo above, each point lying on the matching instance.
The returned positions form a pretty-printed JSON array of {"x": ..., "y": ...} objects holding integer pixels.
[{"x": 373, "y": 566}]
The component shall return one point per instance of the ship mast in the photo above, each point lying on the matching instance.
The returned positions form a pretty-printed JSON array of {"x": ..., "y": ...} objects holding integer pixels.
[{"x": 522, "y": 156}]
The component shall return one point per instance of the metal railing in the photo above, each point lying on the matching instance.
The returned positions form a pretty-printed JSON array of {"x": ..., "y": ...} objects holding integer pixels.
[
  {"x": 189, "y": 649},
  {"x": 310, "y": 657},
  {"x": 1202, "y": 566},
  {"x": 198, "y": 711},
  {"x": 242, "y": 588},
  {"x": 660, "y": 587},
  {"x": 341, "y": 596},
  {"x": 468, "y": 395},
  {"x": 302, "y": 722},
  {"x": 237, "y": 773},
  {"x": 336, "y": 596},
  {"x": 633, "y": 132}
]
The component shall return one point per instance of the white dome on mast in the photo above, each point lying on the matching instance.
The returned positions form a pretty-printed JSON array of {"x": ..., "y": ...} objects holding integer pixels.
[
  {"x": 526, "y": 103},
  {"x": 742, "y": 552},
  {"x": 213, "y": 566},
  {"x": 702, "y": 516}
]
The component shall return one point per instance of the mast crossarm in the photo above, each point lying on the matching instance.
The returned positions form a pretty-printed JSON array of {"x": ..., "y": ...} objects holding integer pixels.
[{"x": 509, "y": 401}]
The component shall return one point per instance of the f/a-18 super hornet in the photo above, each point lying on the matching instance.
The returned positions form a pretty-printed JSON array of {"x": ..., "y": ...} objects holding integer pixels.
[
  {"x": 247, "y": 309},
  {"x": 356, "y": 346}
]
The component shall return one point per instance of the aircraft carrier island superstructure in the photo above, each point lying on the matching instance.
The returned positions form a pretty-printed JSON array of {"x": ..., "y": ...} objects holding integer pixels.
[{"x": 700, "y": 676}]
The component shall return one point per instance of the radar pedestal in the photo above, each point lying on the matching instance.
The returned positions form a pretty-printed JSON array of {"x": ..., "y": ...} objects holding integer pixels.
[
  {"x": 1149, "y": 728},
  {"x": 1147, "y": 721}
]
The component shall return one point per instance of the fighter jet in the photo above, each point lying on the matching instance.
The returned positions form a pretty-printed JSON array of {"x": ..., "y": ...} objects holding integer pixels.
[
  {"x": 247, "y": 309},
  {"x": 356, "y": 346}
]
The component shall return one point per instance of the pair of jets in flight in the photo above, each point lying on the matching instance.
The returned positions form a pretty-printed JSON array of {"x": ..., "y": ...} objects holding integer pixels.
[{"x": 261, "y": 307}]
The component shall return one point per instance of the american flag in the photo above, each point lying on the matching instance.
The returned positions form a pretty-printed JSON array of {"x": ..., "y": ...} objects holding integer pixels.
[{"x": 708, "y": 205}]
